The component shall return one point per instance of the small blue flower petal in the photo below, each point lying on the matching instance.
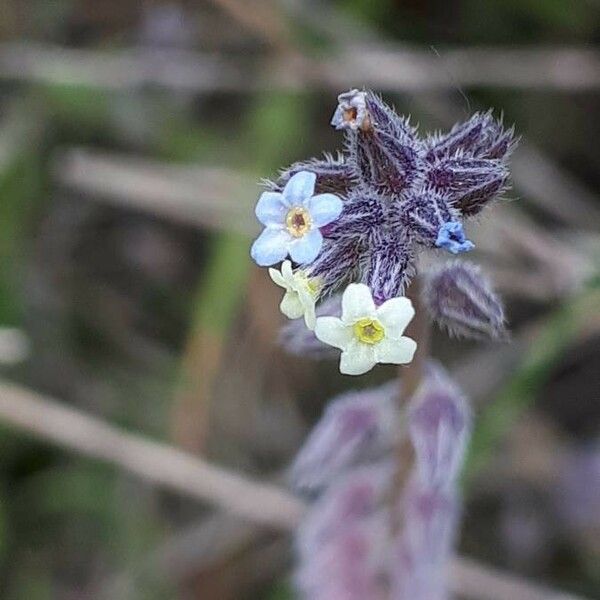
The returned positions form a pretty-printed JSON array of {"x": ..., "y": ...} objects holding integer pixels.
[
  {"x": 337, "y": 120},
  {"x": 324, "y": 208},
  {"x": 305, "y": 249},
  {"x": 465, "y": 246},
  {"x": 299, "y": 188},
  {"x": 271, "y": 208},
  {"x": 451, "y": 237},
  {"x": 271, "y": 246}
]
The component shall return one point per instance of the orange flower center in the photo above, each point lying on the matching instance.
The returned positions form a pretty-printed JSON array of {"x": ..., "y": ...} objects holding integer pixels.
[{"x": 298, "y": 221}]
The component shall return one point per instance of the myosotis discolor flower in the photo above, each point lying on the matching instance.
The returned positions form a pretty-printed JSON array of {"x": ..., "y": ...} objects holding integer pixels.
[{"x": 364, "y": 216}]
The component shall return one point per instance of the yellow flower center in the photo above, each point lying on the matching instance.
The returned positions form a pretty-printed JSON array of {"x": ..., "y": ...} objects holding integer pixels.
[
  {"x": 314, "y": 285},
  {"x": 298, "y": 221},
  {"x": 369, "y": 331}
]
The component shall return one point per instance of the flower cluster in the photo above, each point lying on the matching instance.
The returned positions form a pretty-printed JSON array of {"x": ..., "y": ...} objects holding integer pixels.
[
  {"x": 358, "y": 221},
  {"x": 350, "y": 544},
  {"x": 353, "y": 226}
]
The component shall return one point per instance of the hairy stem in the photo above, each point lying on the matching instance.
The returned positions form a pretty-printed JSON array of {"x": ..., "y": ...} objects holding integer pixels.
[
  {"x": 419, "y": 330},
  {"x": 410, "y": 378}
]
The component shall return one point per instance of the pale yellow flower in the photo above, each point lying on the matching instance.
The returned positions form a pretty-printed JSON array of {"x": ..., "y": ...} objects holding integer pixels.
[
  {"x": 300, "y": 293},
  {"x": 368, "y": 334}
]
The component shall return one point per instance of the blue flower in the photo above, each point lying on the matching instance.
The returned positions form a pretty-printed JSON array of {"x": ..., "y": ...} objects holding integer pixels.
[
  {"x": 292, "y": 219},
  {"x": 451, "y": 237}
]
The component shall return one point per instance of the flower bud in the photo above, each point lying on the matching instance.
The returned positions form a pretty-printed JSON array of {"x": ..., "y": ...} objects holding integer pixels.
[
  {"x": 460, "y": 299},
  {"x": 337, "y": 263},
  {"x": 481, "y": 136},
  {"x": 468, "y": 183},
  {"x": 433, "y": 221},
  {"x": 363, "y": 213},
  {"x": 383, "y": 146},
  {"x": 354, "y": 496},
  {"x": 498, "y": 143},
  {"x": 391, "y": 265},
  {"x": 355, "y": 428},
  {"x": 419, "y": 559},
  {"x": 439, "y": 423},
  {"x": 343, "y": 541},
  {"x": 334, "y": 175},
  {"x": 350, "y": 566}
]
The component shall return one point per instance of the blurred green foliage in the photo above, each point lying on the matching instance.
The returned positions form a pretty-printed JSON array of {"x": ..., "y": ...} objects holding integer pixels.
[{"x": 21, "y": 182}]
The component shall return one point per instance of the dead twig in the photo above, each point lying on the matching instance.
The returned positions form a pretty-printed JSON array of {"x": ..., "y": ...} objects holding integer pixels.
[
  {"x": 152, "y": 461},
  {"x": 259, "y": 17},
  {"x": 399, "y": 68},
  {"x": 208, "y": 197}
]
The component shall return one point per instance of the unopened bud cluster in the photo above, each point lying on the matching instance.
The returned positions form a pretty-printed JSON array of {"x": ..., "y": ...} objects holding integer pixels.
[{"x": 350, "y": 546}]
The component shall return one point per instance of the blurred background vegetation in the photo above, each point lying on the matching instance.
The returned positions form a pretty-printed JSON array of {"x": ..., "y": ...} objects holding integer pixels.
[{"x": 132, "y": 138}]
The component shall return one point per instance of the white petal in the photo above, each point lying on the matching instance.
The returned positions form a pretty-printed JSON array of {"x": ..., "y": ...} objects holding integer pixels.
[
  {"x": 305, "y": 249},
  {"x": 308, "y": 302},
  {"x": 395, "y": 314},
  {"x": 270, "y": 247},
  {"x": 271, "y": 208},
  {"x": 357, "y": 359},
  {"x": 277, "y": 278},
  {"x": 397, "y": 352},
  {"x": 310, "y": 317},
  {"x": 291, "y": 306},
  {"x": 332, "y": 331},
  {"x": 357, "y": 303},
  {"x": 286, "y": 271},
  {"x": 324, "y": 208},
  {"x": 299, "y": 188}
]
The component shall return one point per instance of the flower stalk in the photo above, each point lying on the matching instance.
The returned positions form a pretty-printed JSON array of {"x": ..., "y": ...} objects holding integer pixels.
[{"x": 418, "y": 329}]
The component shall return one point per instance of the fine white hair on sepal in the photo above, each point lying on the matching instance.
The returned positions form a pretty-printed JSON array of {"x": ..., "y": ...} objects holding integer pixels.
[
  {"x": 357, "y": 426},
  {"x": 402, "y": 193},
  {"x": 343, "y": 542},
  {"x": 439, "y": 424},
  {"x": 461, "y": 299}
]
